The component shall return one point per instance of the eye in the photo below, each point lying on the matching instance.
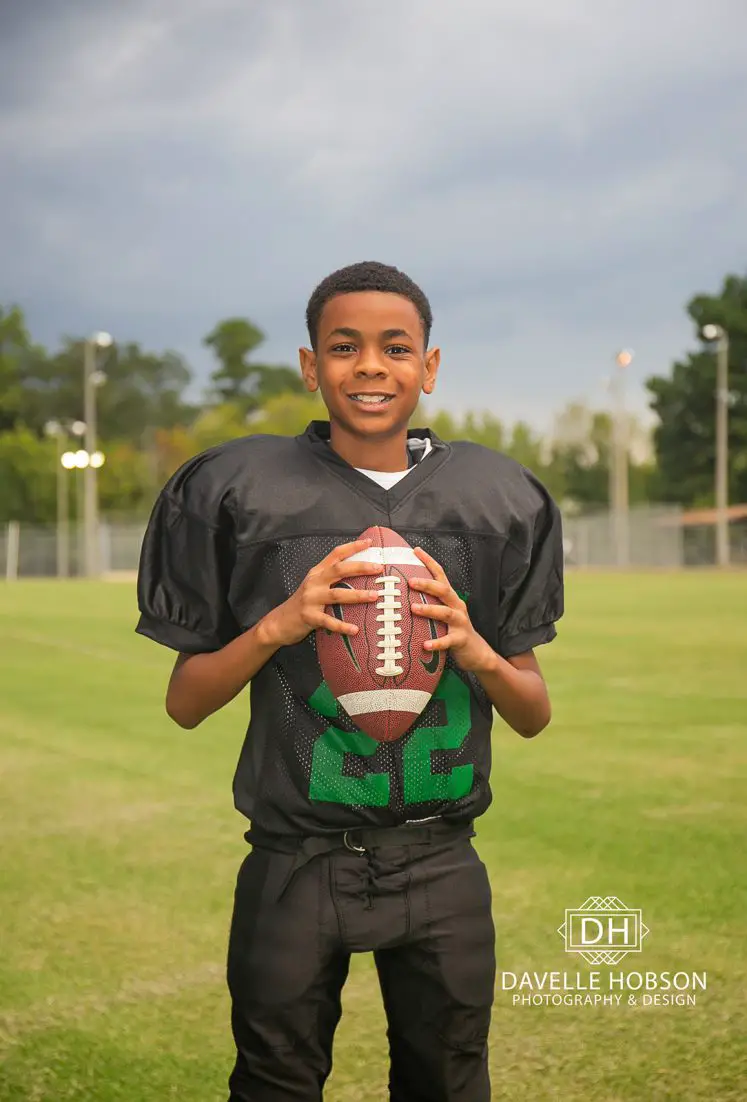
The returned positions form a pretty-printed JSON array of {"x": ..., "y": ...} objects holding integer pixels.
[
  {"x": 343, "y": 348},
  {"x": 398, "y": 349}
]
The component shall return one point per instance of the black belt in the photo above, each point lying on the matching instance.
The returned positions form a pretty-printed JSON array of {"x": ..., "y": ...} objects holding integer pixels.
[{"x": 359, "y": 840}]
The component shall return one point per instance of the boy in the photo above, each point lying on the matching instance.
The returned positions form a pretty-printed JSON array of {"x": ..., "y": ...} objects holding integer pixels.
[{"x": 357, "y": 845}]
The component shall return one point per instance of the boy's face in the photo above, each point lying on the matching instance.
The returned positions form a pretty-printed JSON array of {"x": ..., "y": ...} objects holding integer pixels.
[{"x": 370, "y": 364}]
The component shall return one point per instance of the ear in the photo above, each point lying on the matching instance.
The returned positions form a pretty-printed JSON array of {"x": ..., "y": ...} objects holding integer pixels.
[
  {"x": 307, "y": 359},
  {"x": 432, "y": 362}
]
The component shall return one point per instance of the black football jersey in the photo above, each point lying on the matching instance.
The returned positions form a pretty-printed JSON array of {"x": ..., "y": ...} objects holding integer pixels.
[{"x": 234, "y": 533}]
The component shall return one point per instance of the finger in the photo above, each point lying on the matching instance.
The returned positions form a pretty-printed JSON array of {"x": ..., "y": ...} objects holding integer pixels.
[
  {"x": 435, "y": 568},
  {"x": 435, "y": 612},
  {"x": 345, "y": 550},
  {"x": 354, "y": 569},
  {"x": 434, "y": 586},
  {"x": 442, "y": 643},
  {"x": 353, "y": 596},
  {"x": 331, "y": 623}
]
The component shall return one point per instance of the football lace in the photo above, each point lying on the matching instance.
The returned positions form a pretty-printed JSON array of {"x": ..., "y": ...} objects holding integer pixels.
[{"x": 391, "y": 630}]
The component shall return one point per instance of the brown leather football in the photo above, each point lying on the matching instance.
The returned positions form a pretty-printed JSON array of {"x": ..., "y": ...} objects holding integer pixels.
[{"x": 382, "y": 677}]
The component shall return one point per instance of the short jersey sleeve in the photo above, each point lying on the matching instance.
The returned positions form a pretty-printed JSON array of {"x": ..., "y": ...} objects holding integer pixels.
[
  {"x": 532, "y": 576},
  {"x": 184, "y": 576}
]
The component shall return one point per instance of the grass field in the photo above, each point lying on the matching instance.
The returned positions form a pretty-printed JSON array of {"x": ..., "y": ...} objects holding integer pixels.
[{"x": 119, "y": 848}]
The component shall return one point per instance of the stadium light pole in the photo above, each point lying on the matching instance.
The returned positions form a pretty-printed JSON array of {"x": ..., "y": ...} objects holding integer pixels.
[
  {"x": 67, "y": 466},
  {"x": 718, "y": 334},
  {"x": 56, "y": 430},
  {"x": 59, "y": 431},
  {"x": 91, "y": 380},
  {"x": 619, "y": 488}
]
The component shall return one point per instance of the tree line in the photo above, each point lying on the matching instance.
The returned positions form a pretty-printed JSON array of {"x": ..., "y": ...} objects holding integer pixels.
[{"x": 148, "y": 425}]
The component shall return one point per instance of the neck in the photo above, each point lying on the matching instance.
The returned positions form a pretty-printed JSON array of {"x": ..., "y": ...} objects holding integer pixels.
[{"x": 386, "y": 455}]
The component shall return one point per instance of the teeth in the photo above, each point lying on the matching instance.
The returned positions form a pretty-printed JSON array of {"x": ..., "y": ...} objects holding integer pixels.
[{"x": 369, "y": 398}]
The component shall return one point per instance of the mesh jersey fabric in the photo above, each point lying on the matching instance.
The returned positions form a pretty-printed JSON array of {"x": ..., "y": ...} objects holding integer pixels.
[{"x": 233, "y": 534}]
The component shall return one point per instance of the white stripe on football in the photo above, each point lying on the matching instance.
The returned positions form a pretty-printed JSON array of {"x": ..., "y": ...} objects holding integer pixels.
[
  {"x": 387, "y": 556},
  {"x": 384, "y": 700}
]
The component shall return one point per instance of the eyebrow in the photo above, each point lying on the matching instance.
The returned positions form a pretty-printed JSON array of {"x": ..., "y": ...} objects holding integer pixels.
[
  {"x": 343, "y": 331},
  {"x": 387, "y": 335}
]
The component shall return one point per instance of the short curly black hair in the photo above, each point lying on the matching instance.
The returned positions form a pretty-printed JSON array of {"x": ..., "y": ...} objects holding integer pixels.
[{"x": 368, "y": 275}]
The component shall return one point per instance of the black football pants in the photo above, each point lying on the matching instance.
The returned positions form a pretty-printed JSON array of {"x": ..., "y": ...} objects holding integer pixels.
[{"x": 424, "y": 911}]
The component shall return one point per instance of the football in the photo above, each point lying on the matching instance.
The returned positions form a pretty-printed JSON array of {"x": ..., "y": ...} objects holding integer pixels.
[{"x": 382, "y": 677}]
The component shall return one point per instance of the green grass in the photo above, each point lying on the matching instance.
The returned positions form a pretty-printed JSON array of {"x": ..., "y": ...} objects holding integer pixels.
[{"x": 119, "y": 848}]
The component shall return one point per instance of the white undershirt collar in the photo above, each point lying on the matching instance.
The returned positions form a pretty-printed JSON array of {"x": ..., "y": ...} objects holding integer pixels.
[{"x": 387, "y": 479}]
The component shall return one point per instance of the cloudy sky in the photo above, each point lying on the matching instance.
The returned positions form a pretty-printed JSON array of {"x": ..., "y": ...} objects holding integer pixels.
[{"x": 560, "y": 177}]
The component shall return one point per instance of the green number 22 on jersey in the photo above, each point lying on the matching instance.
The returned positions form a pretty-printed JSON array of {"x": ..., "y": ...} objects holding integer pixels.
[{"x": 330, "y": 784}]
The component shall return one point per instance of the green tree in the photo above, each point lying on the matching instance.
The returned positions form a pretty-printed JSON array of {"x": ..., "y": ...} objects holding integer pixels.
[
  {"x": 139, "y": 390},
  {"x": 684, "y": 403},
  {"x": 525, "y": 446},
  {"x": 28, "y": 472},
  {"x": 238, "y": 379},
  {"x": 17, "y": 353},
  {"x": 442, "y": 423},
  {"x": 143, "y": 390},
  {"x": 483, "y": 428},
  {"x": 125, "y": 481},
  {"x": 520, "y": 442},
  {"x": 218, "y": 423},
  {"x": 578, "y": 468},
  {"x": 288, "y": 414},
  {"x": 580, "y": 454}
]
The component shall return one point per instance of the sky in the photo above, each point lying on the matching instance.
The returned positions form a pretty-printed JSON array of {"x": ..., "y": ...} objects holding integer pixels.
[{"x": 559, "y": 178}]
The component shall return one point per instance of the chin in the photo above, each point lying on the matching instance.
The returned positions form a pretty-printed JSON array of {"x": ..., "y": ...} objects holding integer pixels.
[
  {"x": 370, "y": 428},
  {"x": 366, "y": 425}
]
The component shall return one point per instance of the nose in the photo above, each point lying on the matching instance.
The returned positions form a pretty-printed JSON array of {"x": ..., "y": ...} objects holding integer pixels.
[{"x": 372, "y": 366}]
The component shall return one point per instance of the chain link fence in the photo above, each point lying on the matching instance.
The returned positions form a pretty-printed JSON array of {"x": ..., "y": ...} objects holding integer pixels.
[
  {"x": 656, "y": 539},
  {"x": 656, "y": 535},
  {"x": 33, "y": 551},
  {"x": 700, "y": 544}
]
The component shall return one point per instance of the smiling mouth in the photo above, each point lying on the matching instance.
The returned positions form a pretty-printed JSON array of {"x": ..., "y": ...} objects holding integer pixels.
[{"x": 373, "y": 400}]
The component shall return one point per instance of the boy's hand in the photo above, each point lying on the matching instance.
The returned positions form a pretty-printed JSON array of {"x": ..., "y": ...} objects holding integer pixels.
[
  {"x": 303, "y": 612},
  {"x": 470, "y": 651}
]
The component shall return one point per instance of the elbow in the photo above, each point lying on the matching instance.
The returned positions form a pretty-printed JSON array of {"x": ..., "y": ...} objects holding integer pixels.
[
  {"x": 180, "y": 717},
  {"x": 531, "y": 731},
  {"x": 534, "y": 725}
]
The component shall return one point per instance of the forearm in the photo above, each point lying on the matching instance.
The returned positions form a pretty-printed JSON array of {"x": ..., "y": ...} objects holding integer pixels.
[
  {"x": 517, "y": 691},
  {"x": 203, "y": 683}
]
